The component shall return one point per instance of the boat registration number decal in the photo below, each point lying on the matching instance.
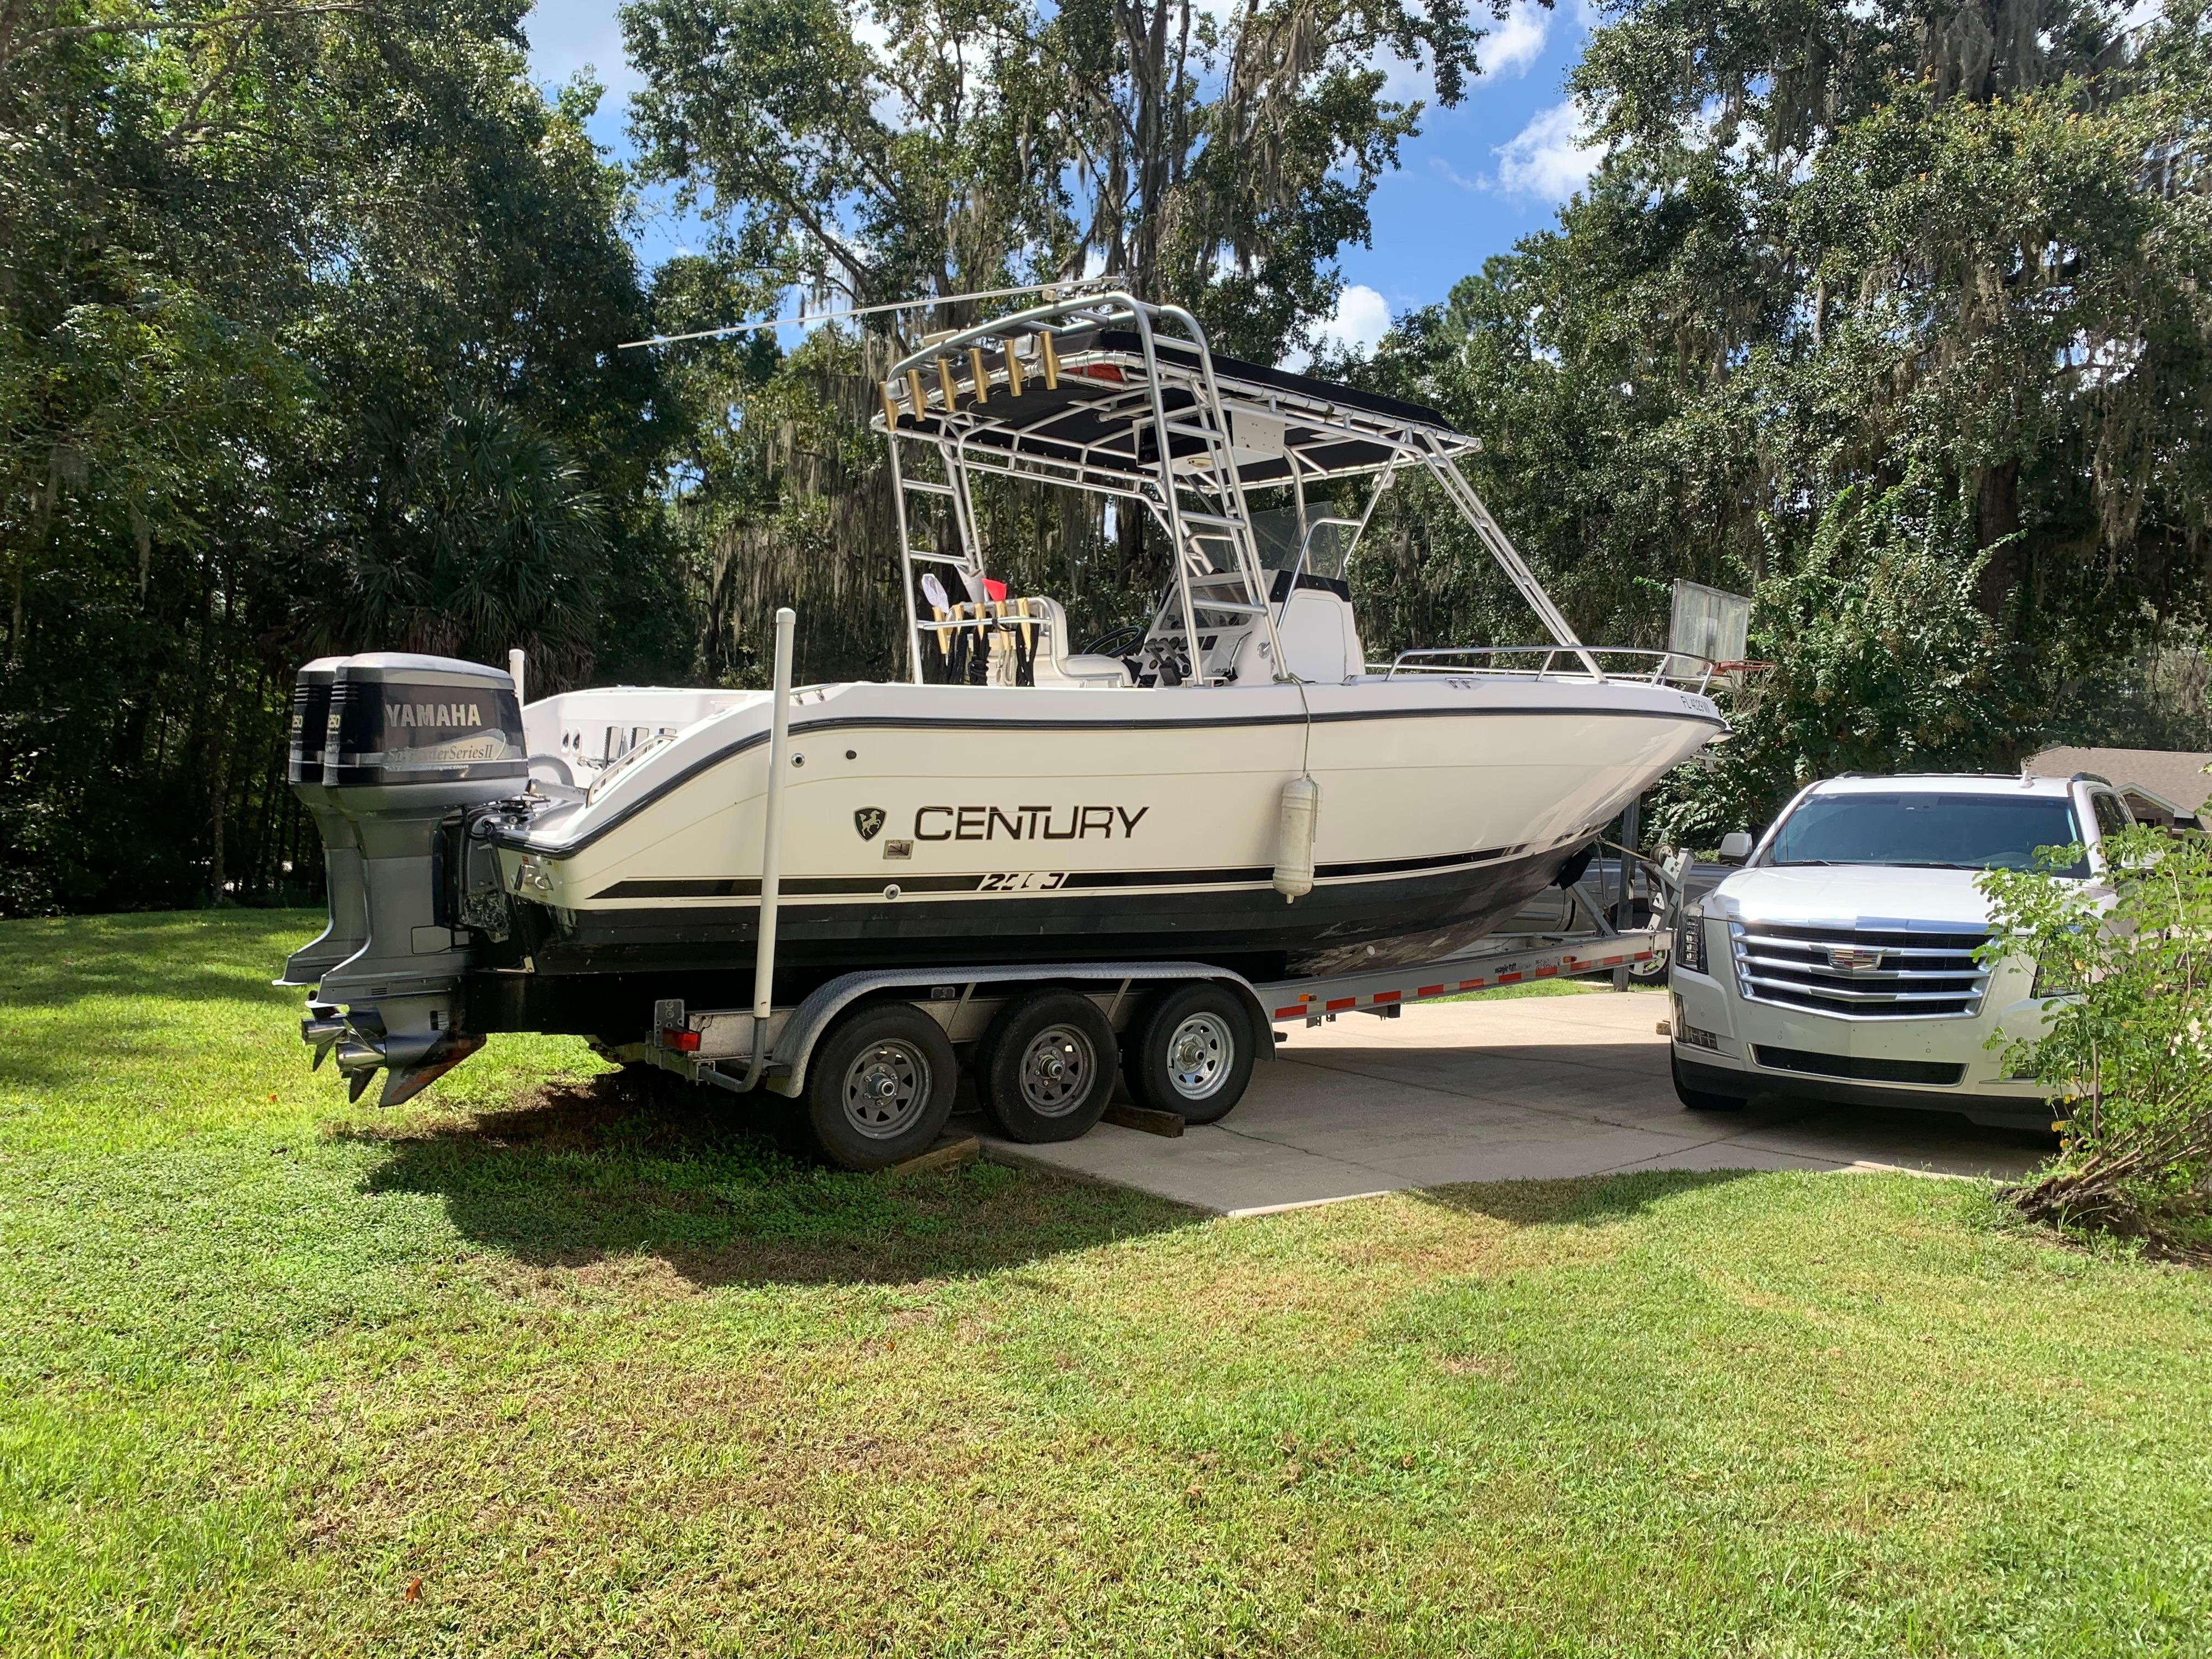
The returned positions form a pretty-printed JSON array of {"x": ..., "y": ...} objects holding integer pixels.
[
  {"x": 1020, "y": 881},
  {"x": 1026, "y": 823}
]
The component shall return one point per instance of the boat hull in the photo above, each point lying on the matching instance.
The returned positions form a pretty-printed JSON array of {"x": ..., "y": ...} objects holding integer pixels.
[
  {"x": 1232, "y": 918},
  {"x": 964, "y": 825}
]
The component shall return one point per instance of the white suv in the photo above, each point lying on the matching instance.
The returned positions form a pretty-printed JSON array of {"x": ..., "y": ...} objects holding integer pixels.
[{"x": 1839, "y": 963}]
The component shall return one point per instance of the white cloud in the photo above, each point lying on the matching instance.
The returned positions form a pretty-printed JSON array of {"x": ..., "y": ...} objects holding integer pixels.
[
  {"x": 1452, "y": 174},
  {"x": 568, "y": 35},
  {"x": 1551, "y": 158},
  {"x": 1362, "y": 317},
  {"x": 888, "y": 106},
  {"x": 1403, "y": 78},
  {"x": 1360, "y": 320},
  {"x": 1512, "y": 46}
]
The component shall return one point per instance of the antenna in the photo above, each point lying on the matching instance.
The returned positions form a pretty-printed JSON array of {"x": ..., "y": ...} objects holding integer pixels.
[{"x": 1050, "y": 290}]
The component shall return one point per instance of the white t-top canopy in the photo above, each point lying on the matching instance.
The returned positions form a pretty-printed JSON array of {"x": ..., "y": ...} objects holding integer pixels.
[{"x": 1109, "y": 395}]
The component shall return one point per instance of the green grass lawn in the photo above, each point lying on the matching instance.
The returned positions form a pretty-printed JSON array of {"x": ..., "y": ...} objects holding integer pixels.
[
  {"x": 1547, "y": 987},
  {"x": 543, "y": 1364}
]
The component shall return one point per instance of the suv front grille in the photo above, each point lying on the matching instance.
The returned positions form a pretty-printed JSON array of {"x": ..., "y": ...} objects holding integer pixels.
[
  {"x": 1859, "y": 973},
  {"x": 1857, "y": 1066}
]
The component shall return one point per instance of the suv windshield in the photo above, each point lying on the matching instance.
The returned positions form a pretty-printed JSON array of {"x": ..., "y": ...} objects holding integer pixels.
[{"x": 1928, "y": 829}]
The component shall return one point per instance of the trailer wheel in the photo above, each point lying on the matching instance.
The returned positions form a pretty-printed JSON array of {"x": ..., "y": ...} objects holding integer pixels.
[
  {"x": 880, "y": 1086},
  {"x": 1046, "y": 1067},
  {"x": 1190, "y": 1053}
]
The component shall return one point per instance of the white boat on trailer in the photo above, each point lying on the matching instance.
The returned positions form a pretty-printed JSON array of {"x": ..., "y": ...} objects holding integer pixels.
[{"x": 1235, "y": 798}]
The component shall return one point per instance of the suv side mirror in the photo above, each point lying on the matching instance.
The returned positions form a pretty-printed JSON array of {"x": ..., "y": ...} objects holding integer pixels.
[{"x": 1735, "y": 846}]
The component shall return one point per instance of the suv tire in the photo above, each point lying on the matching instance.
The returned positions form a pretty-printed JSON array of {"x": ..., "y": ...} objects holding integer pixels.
[{"x": 1700, "y": 1100}]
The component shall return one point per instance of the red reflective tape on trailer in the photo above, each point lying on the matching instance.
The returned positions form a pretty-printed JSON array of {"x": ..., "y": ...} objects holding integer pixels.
[
  {"x": 1290, "y": 1013},
  {"x": 1430, "y": 991},
  {"x": 1545, "y": 973},
  {"x": 1388, "y": 996},
  {"x": 1471, "y": 984},
  {"x": 1335, "y": 1003},
  {"x": 1506, "y": 979}
]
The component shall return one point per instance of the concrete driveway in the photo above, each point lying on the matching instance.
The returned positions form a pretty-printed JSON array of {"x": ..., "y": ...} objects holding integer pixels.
[{"x": 1495, "y": 1091}]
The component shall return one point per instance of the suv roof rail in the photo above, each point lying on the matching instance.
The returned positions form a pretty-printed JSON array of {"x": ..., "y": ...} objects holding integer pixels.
[
  {"x": 1899, "y": 777},
  {"x": 2092, "y": 777}
]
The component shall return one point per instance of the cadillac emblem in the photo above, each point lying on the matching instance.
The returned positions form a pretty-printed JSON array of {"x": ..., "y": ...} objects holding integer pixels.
[
  {"x": 1854, "y": 959},
  {"x": 869, "y": 821}
]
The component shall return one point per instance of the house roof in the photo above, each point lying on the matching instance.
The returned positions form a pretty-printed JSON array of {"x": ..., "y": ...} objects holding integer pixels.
[{"x": 2175, "y": 776}]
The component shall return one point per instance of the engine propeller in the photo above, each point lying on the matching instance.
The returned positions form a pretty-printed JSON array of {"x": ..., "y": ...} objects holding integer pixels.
[
  {"x": 320, "y": 1030},
  {"x": 364, "y": 1047},
  {"x": 358, "y": 1061}
]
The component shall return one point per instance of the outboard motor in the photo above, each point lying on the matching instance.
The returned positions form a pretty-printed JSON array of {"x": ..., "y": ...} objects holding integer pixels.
[
  {"x": 349, "y": 926},
  {"x": 412, "y": 741}
]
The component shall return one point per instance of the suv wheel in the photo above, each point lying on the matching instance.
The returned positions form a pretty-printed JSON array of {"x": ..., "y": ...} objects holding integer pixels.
[{"x": 1699, "y": 1100}]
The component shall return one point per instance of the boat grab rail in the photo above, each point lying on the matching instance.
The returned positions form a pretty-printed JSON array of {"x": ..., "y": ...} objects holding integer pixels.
[
  {"x": 1659, "y": 671},
  {"x": 624, "y": 763}
]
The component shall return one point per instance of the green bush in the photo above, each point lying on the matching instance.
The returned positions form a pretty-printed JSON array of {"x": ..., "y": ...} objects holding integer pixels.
[
  {"x": 2129, "y": 1044},
  {"x": 1881, "y": 663}
]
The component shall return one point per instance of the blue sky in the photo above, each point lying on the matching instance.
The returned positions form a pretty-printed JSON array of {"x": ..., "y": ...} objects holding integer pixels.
[{"x": 1477, "y": 177}]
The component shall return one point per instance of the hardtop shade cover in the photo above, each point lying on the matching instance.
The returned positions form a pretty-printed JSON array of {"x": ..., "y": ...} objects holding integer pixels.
[{"x": 1099, "y": 418}]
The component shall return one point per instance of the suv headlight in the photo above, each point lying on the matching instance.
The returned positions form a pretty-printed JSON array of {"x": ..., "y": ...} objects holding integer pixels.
[
  {"x": 2054, "y": 979},
  {"x": 1690, "y": 940}
]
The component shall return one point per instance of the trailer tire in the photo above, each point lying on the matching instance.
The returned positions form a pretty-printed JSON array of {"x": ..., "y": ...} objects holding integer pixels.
[
  {"x": 879, "y": 1087},
  {"x": 1045, "y": 1069},
  {"x": 1190, "y": 1053}
]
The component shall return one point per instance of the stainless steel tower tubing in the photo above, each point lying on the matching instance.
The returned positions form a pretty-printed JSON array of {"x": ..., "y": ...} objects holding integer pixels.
[
  {"x": 906, "y": 564},
  {"x": 1174, "y": 508},
  {"x": 1247, "y": 543},
  {"x": 771, "y": 877},
  {"x": 1463, "y": 497}
]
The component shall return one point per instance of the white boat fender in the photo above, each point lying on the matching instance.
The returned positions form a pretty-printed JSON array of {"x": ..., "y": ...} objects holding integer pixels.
[{"x": 1294, "y": 838}]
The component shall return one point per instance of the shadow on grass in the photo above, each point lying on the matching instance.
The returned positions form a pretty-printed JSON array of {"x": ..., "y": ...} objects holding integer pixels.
[
  {"x": 632, "y": 1165},
  {"x": 1581, "y": 1202}
]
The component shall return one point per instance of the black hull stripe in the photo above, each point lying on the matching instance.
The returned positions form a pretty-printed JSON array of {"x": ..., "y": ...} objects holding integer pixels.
[
  {"x": 1409, "y": 867},
  {"x": 722, "y": 887},
  {"x": 908, "y": 723},
  {"x": 1387, "y": 923}
]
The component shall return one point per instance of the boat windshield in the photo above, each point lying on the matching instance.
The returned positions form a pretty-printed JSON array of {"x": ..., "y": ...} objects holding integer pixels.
[
  {"x": 1328, "y": 542},
  {"x": 1928, "y": 829}
]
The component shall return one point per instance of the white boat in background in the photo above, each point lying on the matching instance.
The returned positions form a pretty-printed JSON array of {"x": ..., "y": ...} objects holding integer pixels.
[{"x": 1234, "y": 785}]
